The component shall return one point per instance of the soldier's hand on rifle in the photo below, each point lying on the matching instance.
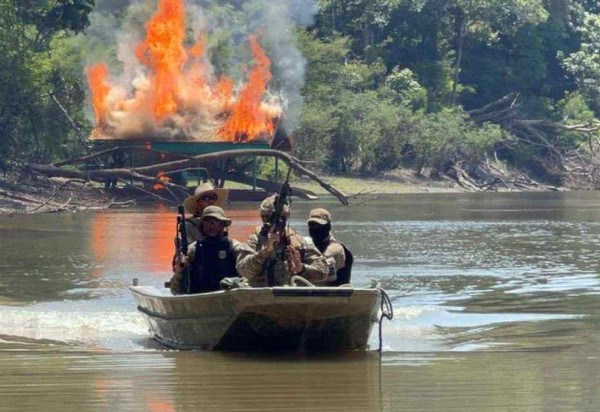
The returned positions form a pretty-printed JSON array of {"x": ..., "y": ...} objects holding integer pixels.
[
  {"x": 180, "y": 263},
  {"x": 294, "y": 260},
  {"x": 272, "y": 240}
]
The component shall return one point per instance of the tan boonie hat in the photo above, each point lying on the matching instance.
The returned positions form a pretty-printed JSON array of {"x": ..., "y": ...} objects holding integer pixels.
[
  {"x": 268, "y": 206},
  {"x": 216, "y": 213},
  {"x": 320, "y": 216},
  {"x": 191, "y": 203}
]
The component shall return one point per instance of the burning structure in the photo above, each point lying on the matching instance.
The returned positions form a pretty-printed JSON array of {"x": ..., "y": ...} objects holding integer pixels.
[{"x": 175, "y": 95}]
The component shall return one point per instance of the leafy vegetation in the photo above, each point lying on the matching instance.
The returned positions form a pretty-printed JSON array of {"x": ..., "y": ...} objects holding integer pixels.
[{"x": 388, "y": 83}]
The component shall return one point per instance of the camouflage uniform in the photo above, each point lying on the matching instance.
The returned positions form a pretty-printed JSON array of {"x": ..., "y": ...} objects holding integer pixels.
[
  {"x": 335, "y": 257},
  {"x": 193, "y": 229},
  {"x": 334, "y": 251},
  {"x": 254, "y": 261}
]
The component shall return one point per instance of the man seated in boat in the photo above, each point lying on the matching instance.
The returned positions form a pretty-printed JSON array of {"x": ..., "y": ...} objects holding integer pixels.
[
  {"x": 210, "y": 259},
  {"x": 205, "y": 195},
  {"x": 272, "y": 256},
  {"x": 338, "y": 256}
]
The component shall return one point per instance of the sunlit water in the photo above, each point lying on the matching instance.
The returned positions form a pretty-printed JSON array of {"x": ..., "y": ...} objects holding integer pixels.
[{"x": 496, "y": 300}]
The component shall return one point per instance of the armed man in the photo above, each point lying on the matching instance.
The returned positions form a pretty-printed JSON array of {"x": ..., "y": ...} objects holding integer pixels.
[
  {"x": 274, "y": 252},
  {"x": 205, "y": 195},
  {"x": 338, "y": 256},
  {"x": 210, "y": 259}
]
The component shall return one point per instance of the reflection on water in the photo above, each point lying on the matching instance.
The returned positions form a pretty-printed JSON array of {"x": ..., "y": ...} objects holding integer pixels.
[{"x": 496, "y": 299}]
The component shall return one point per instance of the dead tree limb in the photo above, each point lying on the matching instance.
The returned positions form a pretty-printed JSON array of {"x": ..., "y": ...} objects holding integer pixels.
[
  {"x": 56, "y": 190},
  {"x": 100, "y": 175},
  {"x": 148, "y": 192},
  {"x": 227, "y": 154},
  {"x": 263, "y": 184},
  {"x": 143, "y": 173},
  {"x": 19, "y": 197},
  {"x": 72, "y": 123}
]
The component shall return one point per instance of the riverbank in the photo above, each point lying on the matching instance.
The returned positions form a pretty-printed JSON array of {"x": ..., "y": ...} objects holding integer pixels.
[
  {"x": 33, "y": 193},
  {"x": 398, "y": 181}
]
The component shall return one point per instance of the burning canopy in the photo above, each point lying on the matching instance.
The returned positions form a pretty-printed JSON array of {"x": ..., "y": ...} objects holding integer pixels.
[{"x": 175, "y": 96}]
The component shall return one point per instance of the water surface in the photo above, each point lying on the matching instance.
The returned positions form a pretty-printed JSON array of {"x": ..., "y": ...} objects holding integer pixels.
[{"x": 496, "y": 300}]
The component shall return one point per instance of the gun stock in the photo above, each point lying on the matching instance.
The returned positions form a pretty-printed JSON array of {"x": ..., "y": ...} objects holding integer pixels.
[{"x": 182, "y": 246}]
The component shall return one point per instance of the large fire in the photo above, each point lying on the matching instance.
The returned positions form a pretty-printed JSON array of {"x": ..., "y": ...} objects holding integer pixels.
[{"x": 176, "y": 96}]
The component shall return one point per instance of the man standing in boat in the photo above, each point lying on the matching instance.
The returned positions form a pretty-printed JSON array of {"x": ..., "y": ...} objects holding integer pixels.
[
  {"x": 205, "y": 195},
  {"x": 272, "y": 256},
  {"x": 339, "y": 258},
  {"x": 211, "y": 258}
]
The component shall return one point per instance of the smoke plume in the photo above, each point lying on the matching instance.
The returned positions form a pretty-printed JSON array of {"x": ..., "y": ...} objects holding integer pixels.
[{"x": 226, "y": 45}]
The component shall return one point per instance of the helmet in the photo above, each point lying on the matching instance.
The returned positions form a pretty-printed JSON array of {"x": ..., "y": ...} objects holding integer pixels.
[{"x": 267, "y": 207}]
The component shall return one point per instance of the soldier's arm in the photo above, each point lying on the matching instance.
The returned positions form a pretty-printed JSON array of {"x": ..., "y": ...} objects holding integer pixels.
[
  {"x": 250, "y": 262},
  {"x": 315, "y": 265},
  {"x": 335, "y": 256},
  {"x": 336, "y": 259},
  {"x": 178, "y": 266}
]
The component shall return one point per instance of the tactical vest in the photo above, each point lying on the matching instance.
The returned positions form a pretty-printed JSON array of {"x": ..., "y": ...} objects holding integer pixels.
[
  {"x": 213, "y": 261},
  {"x": 344, "y": 274}
]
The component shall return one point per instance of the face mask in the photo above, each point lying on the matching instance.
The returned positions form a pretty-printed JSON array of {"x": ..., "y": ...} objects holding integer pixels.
[{"x": 319, "y": 232}]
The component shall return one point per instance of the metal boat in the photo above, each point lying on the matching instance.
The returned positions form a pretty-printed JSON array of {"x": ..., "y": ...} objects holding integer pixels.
[{"x": 295, "y": 318}]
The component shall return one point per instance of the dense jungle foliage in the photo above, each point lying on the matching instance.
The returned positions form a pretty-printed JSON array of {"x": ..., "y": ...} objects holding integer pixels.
[{"x": 423, "y": 84}]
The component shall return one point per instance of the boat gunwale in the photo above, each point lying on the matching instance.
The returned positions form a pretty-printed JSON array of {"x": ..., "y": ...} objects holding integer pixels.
[{"x": 277, "y": 291}]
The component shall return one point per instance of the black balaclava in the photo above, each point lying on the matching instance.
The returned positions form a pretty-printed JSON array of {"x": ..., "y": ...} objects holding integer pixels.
[{"x": 319, "y": 233}]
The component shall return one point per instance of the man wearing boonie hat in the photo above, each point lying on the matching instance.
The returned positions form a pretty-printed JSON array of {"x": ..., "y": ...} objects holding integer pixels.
[
  {"x": 205, "y": 195},
  {"x": 339, "y": 259},
  {"x": 211, "y": 258},
  {"x": 258, "y": 256}
]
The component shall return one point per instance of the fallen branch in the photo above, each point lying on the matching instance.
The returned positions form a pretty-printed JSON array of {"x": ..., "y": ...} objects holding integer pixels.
[
  {"x": 20, "y": 198},
  {"x": 143, "y": 173},
  {"x": 263, "y": 184},
  {"x": 162, "y": 199},
  {"x": 58, "y": 188}
]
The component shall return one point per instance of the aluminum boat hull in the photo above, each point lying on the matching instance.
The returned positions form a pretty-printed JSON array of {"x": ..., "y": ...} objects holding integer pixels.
[{"x": 278, "y": 318}]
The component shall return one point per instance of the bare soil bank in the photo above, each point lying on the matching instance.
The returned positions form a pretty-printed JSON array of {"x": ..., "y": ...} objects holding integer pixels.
[{"x": 22, "y": 192}]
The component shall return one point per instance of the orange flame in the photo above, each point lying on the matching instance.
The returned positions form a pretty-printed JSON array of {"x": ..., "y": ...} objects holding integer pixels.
[
  {"x": 179, "y": 90},
  {"x": 248, "y": 121},
  {"x": 164, "y": 54},
  {"x": 97, "y": 75},
  {"x": 162, "y": 176}
]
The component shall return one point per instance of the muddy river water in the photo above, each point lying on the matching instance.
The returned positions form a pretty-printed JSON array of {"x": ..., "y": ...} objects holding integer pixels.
[{"x": 496, "y": 300}]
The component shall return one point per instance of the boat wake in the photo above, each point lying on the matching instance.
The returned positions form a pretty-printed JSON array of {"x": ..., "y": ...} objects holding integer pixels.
[{"x": 73, "y": 325}]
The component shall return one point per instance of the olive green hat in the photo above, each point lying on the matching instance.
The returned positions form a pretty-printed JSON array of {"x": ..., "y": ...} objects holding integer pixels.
[
  {"x": 215, "y": 212},
  {"x": 320, "y": 216}
]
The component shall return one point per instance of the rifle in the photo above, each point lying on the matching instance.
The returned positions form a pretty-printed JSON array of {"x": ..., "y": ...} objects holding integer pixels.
[
  {"x": 182, "y": 248},
  {"x": 278, "y": 223},
  {"x": 181, "y": 244}
]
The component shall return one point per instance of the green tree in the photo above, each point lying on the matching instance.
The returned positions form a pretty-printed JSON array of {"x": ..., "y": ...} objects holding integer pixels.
[
  {"x": 584, "y": 64},
  {"x": 36, "y": 64}
]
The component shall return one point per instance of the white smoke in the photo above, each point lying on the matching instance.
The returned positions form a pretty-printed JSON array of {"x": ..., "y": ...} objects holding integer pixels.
[
  {"x": 118, "y": 26},
  {"x": 277, "y": 21}
]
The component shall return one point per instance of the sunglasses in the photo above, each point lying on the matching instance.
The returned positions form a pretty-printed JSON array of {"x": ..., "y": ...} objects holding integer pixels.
[{"x": 207, "y": 197}]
